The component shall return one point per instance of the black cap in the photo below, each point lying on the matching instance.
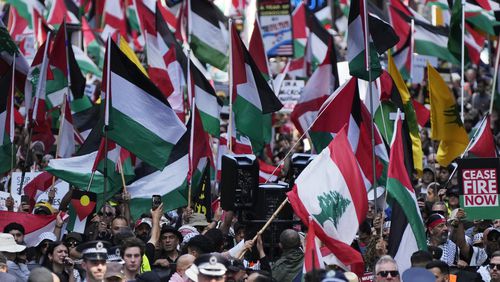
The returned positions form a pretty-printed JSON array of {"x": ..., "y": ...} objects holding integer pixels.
[
  {"x": 170, "y": 229},
  {"x": 94, "y": 250},
  {"x": 73, "y": 235}
]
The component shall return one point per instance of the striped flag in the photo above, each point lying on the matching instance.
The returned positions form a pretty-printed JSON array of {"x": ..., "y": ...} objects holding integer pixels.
[
  {"x": 129, "y": 102},
  {"x": 407, "y": 234},
  {"x": 209, "y": 35},
  {"x": 252, "y": 95},
  {"x": 33, "y": 224},
  {"x": 330, "y": 191},
  {"x": 6, "y": 122},
  {"x": 345, "y": 107},
  {"x": 484, "y": 142}
]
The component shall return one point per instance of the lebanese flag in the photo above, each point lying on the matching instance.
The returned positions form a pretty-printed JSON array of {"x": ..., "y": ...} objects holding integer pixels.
[
  {"x": 266, "y": 172},
  {"x": 33, "y": 224},
  {"x": 312, "y": 254},
  {"x": 330, "y": 191},
  {"x": 483, "y": 145}
]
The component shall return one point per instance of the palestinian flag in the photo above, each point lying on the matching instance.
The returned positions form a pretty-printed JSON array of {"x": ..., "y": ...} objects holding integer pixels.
[
  {"x": 6, "y": 122},
  {"x": 9, "y": 49},
  {"x": 345, "y": 107},
  {"x": 322, "y": 83},
  {"x": 113, "y": 19},
  {"x": 200, "y": 153},
  {"x": 57, "y": 77},
  {"x": 317, "y": 42},
  {"x": 338, "y": 202},
  {"x": 252, "y": 95},
  {"x": 299, "y": 32},
  {"x": 92, "y": 44},
  {"x": 473, "y": 43},
  {"x": 429, "y": 40},
  {"x": 82, "y": 205},
  {"x": 358, "y": 42},
  {"x": 66, "y": 137},
  {"x": 483, "y": 144},
  {"x": 209, "y": 34},
  {"x": 57, "y": 12},
  {"x": 446, "y": 125},
  {"x": 407, "y": 234},
  {"x": 171, "y": 182},
  {"x": 38, "y": 185},
  {"x": 33, "y": 224},
  {"x": 129, "y": 102},
  {"x": 85, "y": 63},
  {"x": 208, "y": 104},
  {"x": 41, "y": 28},
  {"x": 423, "y": 114},
  {"x": 25, "y": 9}
]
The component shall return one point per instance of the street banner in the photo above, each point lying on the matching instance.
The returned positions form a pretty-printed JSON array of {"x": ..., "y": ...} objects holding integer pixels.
[
  {"x": 478, "y": 181},
  {"x": 276, "y": 25}
]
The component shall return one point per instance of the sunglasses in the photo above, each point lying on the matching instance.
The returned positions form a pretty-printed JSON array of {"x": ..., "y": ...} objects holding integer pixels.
[
  {"x": 72, "y": 244},
  {"x": 495, "y": 266},
  {"x": 385, "y": 273}
]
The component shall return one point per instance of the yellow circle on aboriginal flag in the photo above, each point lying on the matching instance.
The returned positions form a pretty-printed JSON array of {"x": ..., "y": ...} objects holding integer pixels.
[{"x": 85, "y": 200}]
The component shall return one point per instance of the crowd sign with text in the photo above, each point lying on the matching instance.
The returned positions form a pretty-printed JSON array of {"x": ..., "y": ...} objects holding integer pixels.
[
  {"x": 276, "y": 26},
  {"x": 479, "y": 180}
]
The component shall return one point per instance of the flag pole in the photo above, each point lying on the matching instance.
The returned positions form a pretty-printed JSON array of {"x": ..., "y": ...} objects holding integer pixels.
[
  {"x": 268, "y": 222},
  {"x": 462, "y": 62},
  {"x": 11, "y": 119},
  {"x": 230, "y": 70},
  {"x": 466, "y": 151},
  {"x": 495, "y": 75},
  {"x": 412, "y": 48},
  {"x": 41, "y": 77},
  {"x": 369, "y": 70},
  {"x": 191, "y": 137},
  {"x": 106, "y": 112},
  {"x": 120, "y": 169}
]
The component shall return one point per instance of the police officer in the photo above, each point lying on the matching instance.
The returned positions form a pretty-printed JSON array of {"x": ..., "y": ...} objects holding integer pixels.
[
  {"x": 209, "y": 268},
  {"x": 94, "y": 256}
]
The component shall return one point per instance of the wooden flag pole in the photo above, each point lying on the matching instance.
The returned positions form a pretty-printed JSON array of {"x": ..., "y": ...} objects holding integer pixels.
[
  {"x": 120, "y": 169},
  {"x": 269, "y": 221}
]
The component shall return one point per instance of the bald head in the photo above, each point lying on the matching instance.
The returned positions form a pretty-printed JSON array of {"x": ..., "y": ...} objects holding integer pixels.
[
  {"x": 184, "y": 262},
  {"x": 289, "y": 239}
]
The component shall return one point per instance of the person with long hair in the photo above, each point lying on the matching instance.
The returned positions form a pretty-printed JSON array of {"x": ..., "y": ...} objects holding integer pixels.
[{"x": 58, "y": 261}]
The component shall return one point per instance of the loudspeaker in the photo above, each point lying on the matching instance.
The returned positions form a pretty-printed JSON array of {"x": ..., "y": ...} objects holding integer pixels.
[
  {"x": 269, "y": 197},
  {"x": 297, "y": 164},
  {"x": 239, "y": 181}
]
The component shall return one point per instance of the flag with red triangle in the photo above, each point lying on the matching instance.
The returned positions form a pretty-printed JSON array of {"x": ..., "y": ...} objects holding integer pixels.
[
  {"x": 483, "y": 145},
  {"x": 82, "y": 205}
]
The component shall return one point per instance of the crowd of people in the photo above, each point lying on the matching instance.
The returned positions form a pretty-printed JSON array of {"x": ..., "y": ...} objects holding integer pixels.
[{"x": 182, "y": 245}]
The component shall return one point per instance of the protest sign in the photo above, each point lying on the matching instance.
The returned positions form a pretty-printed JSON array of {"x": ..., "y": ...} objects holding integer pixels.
[
  {"x": 478, "y": 180},
  {"x": 289, "y": 94},
  {"x": 61, "y": 187},
  {"x": 276, "y": 26}
]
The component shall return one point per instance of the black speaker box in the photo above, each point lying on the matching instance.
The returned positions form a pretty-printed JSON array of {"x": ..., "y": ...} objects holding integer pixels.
[{"x": 239, "y": 181}]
